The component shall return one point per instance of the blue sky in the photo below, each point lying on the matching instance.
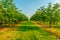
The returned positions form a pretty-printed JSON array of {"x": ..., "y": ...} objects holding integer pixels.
[{"x": 29, "y": 7}]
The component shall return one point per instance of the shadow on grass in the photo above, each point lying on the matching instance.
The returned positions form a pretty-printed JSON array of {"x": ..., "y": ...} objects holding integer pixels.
[
  {"x": 27, "y": 28},
  {"x": 56, "y": 27}
]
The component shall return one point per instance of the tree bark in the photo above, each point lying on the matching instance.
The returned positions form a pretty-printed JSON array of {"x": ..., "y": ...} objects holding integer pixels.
[{"x": 50, "y": 24}]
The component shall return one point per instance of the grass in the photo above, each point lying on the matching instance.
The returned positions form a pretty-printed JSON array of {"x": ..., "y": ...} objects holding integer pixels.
[
  {"x": 28, "y": 23},
  {"x": 54, "y": 31},
  {"x": 26, "y": 33}
]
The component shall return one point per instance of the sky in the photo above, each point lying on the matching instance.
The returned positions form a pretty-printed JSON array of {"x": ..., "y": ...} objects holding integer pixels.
[{"x": 29, "y": 7}]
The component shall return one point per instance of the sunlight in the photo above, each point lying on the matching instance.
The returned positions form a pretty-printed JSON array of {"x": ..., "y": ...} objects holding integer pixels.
[
  {"x": 57, "y": 1},
  {"x": 29, "y": 19}
]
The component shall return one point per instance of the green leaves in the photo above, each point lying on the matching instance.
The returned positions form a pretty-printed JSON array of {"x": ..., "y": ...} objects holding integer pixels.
[
  {"x": 9, "y": 13},
  {"x": 49, "y": 14}
]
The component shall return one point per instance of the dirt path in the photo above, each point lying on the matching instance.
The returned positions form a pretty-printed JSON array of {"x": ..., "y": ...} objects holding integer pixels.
[{"x": 4, "y": 29}]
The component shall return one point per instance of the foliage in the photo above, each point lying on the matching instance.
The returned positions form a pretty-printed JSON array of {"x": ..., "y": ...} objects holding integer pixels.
[
  {"x": 48, "y": 14},
  {"x": 9, "y": 14}
]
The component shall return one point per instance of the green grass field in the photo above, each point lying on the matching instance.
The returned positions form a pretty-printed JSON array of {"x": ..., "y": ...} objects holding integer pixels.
[{"x": 26, "y": 32}]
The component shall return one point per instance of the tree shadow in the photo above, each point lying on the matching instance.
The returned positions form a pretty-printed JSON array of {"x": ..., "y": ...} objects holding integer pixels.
[{"x": 27, "y": 28}]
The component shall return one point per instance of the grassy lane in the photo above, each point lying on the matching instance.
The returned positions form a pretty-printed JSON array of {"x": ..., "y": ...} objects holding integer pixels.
[
  {"x": 26, "y": 32},
  {"x": 53, "y": 31}
]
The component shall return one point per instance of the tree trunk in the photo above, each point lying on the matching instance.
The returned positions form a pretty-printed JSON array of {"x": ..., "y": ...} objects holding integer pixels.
[{"x": 50, "y": 24}]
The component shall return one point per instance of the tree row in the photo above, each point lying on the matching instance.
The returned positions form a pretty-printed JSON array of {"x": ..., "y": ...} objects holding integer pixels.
[{"x": 49, "y": 14}]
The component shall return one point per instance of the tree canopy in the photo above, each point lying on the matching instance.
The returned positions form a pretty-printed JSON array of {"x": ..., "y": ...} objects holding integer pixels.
[
  {"x": 48, "y": 14},
  {"x": 9, "y": 13}
]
